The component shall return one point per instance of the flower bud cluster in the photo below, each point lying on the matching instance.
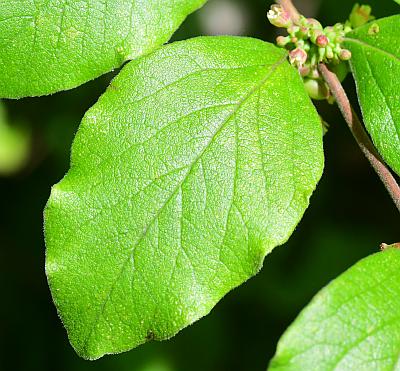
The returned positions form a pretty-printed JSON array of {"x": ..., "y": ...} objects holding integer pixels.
[{"x": 309, "y": 44}]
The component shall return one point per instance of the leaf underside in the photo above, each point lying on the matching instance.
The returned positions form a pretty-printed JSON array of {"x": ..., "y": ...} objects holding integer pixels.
[
  {"x": 352, "y": 324},
  {"x": 197, "y": 161},
  {"x": 48, "y": 46},
  {"x": 376, "y": 69}
]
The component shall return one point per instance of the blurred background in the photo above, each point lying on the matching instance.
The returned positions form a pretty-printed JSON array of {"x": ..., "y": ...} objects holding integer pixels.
[{"x": 349, "y": 216}]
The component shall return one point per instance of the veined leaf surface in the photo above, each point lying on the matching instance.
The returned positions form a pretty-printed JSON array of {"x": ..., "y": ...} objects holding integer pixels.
[
  {"x": 352, "y": 324},
  {"x": 48, "y": 46},
  {"x": 376, "y": 69},
  {"x": 198, "y": 160}
]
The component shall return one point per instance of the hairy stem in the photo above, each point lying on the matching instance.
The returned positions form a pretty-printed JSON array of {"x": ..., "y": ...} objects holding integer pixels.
[
  {"x": 290, "y": 8},
  {"x": 352, "y": 120},
  {"x": 360, "y": 134}
]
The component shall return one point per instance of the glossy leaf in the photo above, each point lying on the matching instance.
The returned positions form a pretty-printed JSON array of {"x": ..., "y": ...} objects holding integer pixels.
[
  {"x": 48, "y": 46},
  {"x": 376, "y": 68},
  {"x": 197, "y": 161},
  {"x": 352, "y": 324}
]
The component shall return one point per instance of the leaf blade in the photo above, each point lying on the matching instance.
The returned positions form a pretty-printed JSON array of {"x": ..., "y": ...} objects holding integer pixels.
[
  {"x": 346, "y": 325},
  {"x": 194, "y": 213},
  {"x": 376, "y": 65},
  {"x": 61, "y": 45}
]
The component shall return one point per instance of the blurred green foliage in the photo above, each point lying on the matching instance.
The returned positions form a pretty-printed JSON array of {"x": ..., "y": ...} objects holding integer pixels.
[
  {"x": 349, "y": 216},
  {"x": 14, "y": 145}
]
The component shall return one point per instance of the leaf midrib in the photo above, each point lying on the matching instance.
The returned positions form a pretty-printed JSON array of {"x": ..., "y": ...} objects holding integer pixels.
[
  {"x": 270, "y": 71},
  {"x": 365, "y": 44},
  {"x": 397, "y": 129}
]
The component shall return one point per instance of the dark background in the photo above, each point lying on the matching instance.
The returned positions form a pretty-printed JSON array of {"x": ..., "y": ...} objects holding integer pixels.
[{"x": 349, "y": 216}]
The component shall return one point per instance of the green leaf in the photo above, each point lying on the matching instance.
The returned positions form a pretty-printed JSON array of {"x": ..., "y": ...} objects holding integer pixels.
[
  {"x": 352, "y": 324},
  {"x": 48, "y": 46},
  {"x": 376, "y": 68},
  {"x": 14, "y": 145},
  {"x": 197, "y": 161},
  {"x": 397, "y": 1}
]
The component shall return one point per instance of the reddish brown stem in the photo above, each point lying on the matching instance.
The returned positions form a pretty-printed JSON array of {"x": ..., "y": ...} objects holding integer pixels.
[
  {"x": 290, "y": 8},
  {"x": 360, "y": 134},
  {"x": 352, "y": 120}
]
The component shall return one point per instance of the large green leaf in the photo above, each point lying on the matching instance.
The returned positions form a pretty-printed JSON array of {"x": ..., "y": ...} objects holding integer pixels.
[
  {"x": 376, "y": 68},
  {"x": 352, "y": 324},
  {"x": 48, "y": 46},
  {"x": 197, "y": 161}
]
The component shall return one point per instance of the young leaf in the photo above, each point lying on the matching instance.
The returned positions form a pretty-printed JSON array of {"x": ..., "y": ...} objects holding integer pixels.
[
  {"x": 376, "y": 68},
  {"x": 197, "y": 161},
  {"x": 48, "y": 46},
  {"x": 352, "y": 324}
]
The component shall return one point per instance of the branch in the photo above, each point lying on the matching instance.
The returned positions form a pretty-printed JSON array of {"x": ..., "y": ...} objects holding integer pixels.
[
  {"x": 352, "y": 120},
  {"x": 360, "y": 134},
  {"x": 290, "y": 8}
]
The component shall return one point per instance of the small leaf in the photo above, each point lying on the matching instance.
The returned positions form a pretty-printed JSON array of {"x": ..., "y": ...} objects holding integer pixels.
[
  {"x": 48, "y": 46},
  {"x": 197, "y": 161},
  {"x": 376, "y": 68},
  {"x": 352, "y": 324}
]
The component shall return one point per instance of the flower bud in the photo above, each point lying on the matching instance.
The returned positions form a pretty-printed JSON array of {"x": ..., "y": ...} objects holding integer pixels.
[
  {"x": 345, "y": 55},
  {"x": 314, "y": 74},
  {"x": 360, "y": 15},
  {"x": 304, "y": 71},
  {"x": 298, "y": 57},
  {"x": 314, "y": 24},
  {"x": 338, "y": 27},
  {"x": 314, "y": 34},
  {"x": 321, "y": 54},
  {"x": 279, "y": 17},
  {"x": 322, "y": 41},
  {"x": 316, "y": 89},
  {"x": 329, "y": 52},
  {"x": 282, "y": 41},
  {"x": 304, "y": 32}
]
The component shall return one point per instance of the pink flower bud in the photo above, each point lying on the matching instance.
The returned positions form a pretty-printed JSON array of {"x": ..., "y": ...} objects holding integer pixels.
[
  {"x": 279, "y": 17},
  {"x": 322, "y": 41},
  {"x": 314, "y": 34},
  {"x": 282, "y": 41},
  {"x": 298, "y": 57},
  {"x": 345, "y": 55},
  {"x": 304, "y": 71}
]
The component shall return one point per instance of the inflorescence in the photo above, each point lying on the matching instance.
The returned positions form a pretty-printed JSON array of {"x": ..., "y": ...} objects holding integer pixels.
[{"x": 309, "y": 44}]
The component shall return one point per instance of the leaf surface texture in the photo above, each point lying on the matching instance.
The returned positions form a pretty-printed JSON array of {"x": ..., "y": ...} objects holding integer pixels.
[
  {"x": 352, "y": 324},
  {"x": 375, "y": 65},
  {"x": 198, "y": 160},
  {"x": 48, "y": 46}
]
